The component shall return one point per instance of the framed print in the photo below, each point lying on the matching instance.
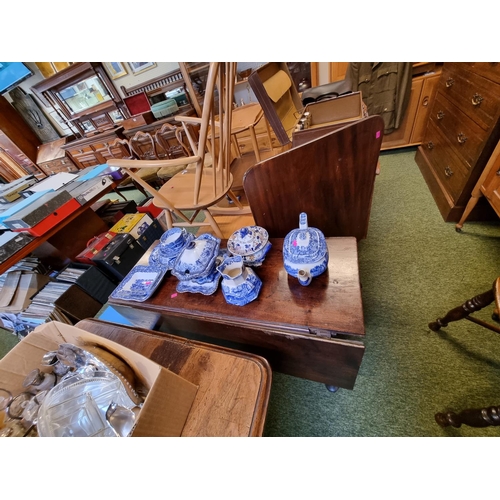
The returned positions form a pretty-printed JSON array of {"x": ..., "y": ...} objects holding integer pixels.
[
  {"x": 139, "y": 67},
  {"x": 115, "y": 69}
]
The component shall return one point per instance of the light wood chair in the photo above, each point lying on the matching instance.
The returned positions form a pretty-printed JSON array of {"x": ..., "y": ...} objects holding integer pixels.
[
  {"x": 199, "y": 188},
  {"x": 121, "y": 148}
]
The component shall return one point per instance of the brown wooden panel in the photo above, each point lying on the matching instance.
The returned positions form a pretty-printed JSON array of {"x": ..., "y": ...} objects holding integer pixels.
[{"x": 331, "y": 178}]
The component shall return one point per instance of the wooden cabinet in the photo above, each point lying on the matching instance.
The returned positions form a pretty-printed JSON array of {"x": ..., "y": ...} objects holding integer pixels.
[
  {"x": 52, "y": 159},
  {"x": 18, "y": 145},
  {"x": 462, "y": 132},
  {"x": 412, "y": 129},
  {"x": 92, "y": 150}
]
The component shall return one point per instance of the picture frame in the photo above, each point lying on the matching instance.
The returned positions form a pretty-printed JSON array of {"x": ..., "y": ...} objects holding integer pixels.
[
  {"x": 139, "y": 67},
  {"x": 115, "y": 69}
]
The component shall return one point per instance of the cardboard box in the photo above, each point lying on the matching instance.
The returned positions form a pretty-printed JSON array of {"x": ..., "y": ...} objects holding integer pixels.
[
  {"x": 274, "y": 88},
  {"x": 133, "y": 224},
  {"x": 16, "y": 297},
  {"x": 329, "y": 115},
  {"x": 169, "y": 397}
]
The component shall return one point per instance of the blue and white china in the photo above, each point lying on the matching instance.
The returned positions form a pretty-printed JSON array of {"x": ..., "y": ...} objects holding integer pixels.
[
  {"x": 305, "y": 253},
  {"x": 247, "y": 240},
  {"x": 197, "y": 258},
  {"x": 240, "y": 285},
  {"x": 257, "y": 258},
  {"x": 206, "y": 285},
  {"x": 173, "y": 241},
  {"x": 140, "y": 283},
  {"x": 251, "y": 243},
  {"x": 158, "y": 259}
]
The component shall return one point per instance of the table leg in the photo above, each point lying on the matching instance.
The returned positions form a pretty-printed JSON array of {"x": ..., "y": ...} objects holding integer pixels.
[{"x": 482, "y": 417}]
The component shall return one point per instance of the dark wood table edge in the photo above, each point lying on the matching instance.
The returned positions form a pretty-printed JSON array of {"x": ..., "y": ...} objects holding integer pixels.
[{"x": 264, "y": 392}]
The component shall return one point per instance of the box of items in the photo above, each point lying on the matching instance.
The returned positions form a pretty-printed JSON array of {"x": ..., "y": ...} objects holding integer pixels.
[
  {"x": 84, "y": 191},
  {"x": 35, "y": 212},
  {"x": 94, "y": 246},
  {"x": 133, "y": 224},
  {"x": 153, "y": 232},
  {"x": 167, "y": 396},
  {"x": 119, "y": 256},
  {"x": 90, "y": 279},
  {"x": 12, "y": 191},
  {"x": 273, "y": 86}
]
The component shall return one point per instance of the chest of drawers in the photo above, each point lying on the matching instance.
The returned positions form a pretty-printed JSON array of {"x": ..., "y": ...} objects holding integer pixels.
[
  {"x": 462, "y": 132},
  {"x": 52, "y": 159}
]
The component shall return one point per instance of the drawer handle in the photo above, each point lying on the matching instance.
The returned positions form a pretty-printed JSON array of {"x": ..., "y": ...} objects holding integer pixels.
[
  {"x": 430, "y": 145},
  {"x": 448, "y": 171},
  {"x": 449, "y": 82},
  {"x": 63, "y": 162},
  {"x": 440, "y": 115},
  {"x": 477, "y": 99},
  {"x": 425, "y": 101},
  {"x": 80, "y": 151},
  {"x": 498, "y": 171},
  {"x": 461, "y": 138}
]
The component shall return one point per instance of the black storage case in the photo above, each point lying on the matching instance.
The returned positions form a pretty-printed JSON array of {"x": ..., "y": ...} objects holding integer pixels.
[
  {"x": 153, "y": 232},
  {"x": 94, "y": 281},
  {"x": 119, "y": 256}
]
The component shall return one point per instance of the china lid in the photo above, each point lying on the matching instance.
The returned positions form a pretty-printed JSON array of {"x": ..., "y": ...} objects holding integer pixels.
[
  {"x": 197, "y": 258},
  {"x": 305, "y": 244}
]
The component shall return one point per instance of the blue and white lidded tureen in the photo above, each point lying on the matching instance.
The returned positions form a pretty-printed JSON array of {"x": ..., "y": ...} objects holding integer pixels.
[
  {"x": 251, "y": 243},
  {"x": 305, "y": 253},
  {"x": 197, "y": 259}
]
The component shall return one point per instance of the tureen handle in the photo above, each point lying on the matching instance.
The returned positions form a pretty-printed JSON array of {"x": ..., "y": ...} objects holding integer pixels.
[{"x": 303, "y": 221}]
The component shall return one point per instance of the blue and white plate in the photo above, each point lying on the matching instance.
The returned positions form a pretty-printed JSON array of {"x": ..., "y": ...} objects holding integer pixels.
[
  {"x": 140, "y": 283},
  {"x": 157, "y": 258}
]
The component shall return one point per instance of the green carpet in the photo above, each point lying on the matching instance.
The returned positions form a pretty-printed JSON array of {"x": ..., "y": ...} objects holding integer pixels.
[{"x": 413, "y": 267}]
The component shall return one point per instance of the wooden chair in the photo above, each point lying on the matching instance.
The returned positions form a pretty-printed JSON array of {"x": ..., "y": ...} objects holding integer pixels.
[
  {"x": 120, "y": 148},
  {"x": 331, "y": 178},
  {"x": 198, "y": 188},
  {"x": 481, "y": 417}
]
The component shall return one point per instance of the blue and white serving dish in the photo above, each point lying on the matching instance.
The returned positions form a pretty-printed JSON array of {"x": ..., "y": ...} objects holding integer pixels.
[
  {"x": 197, "y": 259},
  {"x": 140, "y": 283},
  {"x": 305, "y": 252},
  {"x": 240, "y": 285},
  {"x": 251, "y": 243},
  {"x": 207, "y": 285}
]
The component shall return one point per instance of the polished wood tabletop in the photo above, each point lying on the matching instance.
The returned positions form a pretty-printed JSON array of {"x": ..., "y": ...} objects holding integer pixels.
[
  {"x": 233, "y": 386},
  {"x": 315, "y": 332}
]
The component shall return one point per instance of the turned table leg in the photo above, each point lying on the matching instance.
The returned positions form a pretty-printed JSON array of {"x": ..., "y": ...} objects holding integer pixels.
[
  {"x": 483, "y": 417},
  {"x": 472, "y": 305}
]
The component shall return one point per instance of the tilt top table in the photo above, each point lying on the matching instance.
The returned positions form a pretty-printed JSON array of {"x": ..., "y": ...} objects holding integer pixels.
[{"x": 314, "y": 332}]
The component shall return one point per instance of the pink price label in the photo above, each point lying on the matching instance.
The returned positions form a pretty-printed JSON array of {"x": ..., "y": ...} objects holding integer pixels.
[
  {"x": 377, "y": 135},
  {"x": 294, "y": 243},
  {"x": 173, "y": 296}
]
